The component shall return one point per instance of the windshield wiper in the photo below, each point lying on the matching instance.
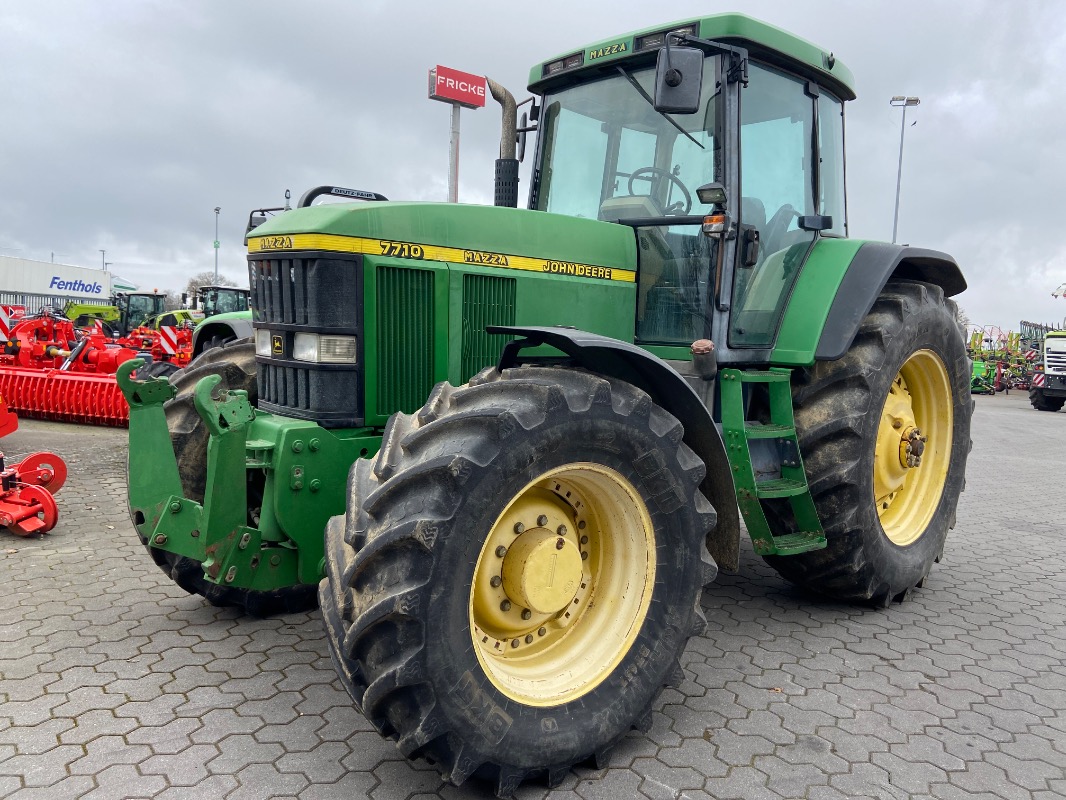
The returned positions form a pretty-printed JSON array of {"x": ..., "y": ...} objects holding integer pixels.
[{"x": 640, "y": 90}]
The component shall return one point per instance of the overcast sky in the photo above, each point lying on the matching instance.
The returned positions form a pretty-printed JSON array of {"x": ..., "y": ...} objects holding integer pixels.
[{"x": 123, "y": 124}]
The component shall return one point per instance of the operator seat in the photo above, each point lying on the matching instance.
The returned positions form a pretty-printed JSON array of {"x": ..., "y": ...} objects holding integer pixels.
[{"x": 753, "y": 212}]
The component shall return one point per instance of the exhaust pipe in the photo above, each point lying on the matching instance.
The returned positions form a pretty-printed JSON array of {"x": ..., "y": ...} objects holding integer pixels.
[{"x": 506, "y": 184}]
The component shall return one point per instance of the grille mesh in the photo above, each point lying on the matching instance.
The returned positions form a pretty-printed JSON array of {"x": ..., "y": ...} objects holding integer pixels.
[
  {"x": 405, "y": 338},
  {"x": 487, "y": 300}
]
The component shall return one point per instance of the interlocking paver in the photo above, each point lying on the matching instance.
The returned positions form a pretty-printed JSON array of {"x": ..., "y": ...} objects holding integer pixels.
[{"x": 116, "y": 683}]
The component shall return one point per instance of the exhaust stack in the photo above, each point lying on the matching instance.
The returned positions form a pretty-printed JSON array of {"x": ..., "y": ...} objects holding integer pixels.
[{"x": 506, "y": 184}]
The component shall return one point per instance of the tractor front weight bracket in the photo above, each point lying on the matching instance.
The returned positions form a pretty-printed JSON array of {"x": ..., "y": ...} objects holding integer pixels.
[{"x": 215, "y": 532}]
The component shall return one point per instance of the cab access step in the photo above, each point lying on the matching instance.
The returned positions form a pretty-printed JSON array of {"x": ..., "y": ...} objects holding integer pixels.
[{"x": 766, "y": 462}]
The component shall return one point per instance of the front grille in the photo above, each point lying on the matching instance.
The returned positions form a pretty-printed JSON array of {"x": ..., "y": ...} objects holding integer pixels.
[
  {"x": 313, "y": 293},
  {"x": 487, "y": 300},
  {"x": 1056, "y": 362}
]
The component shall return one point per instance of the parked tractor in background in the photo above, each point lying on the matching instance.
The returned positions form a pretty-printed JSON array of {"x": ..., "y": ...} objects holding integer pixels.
[
  {"x": 212, "y": 300},
  {"x": 226, "y": 317},
  {"x": 1047, "y": 391},
  {"x": 125, "y": 312},
  {"x": 549, "y": 418}
]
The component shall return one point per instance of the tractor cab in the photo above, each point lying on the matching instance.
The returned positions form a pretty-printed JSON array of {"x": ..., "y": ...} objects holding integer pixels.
[
  {"x": 213, "y": 300},
  {"x": 760, "y": 148},
  {"x": 137, "y": 308}
]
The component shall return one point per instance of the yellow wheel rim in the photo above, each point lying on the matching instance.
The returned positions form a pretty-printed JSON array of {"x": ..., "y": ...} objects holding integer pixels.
[
  {"x": 913, "y": 448},
  {"x": 563, "y": 584}
]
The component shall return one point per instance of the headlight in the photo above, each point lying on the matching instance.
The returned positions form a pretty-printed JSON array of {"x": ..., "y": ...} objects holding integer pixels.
[
  {"x": 325, "y": 349},
  {"x": 262, "y": 342}
]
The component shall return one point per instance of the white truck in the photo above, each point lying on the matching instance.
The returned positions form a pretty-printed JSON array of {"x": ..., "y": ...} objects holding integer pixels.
[{"x": 1048, "y": 389}]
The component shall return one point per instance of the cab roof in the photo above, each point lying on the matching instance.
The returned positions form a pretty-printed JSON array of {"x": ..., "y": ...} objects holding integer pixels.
[{"x": 764, "y": 41}]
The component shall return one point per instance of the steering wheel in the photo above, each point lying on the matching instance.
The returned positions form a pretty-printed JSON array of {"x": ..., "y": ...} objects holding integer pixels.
[
  {"x": 778, "y": 225},
  {"x": 681, "y": 207}
]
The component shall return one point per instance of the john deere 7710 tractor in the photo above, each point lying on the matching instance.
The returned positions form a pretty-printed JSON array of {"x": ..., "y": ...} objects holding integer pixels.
[{"x": 526, "y": 433}]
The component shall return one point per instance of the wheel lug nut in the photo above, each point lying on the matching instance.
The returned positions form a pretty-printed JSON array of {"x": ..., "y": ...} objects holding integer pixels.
[
  {"x": 561, "y": 530},
  {"x": 585, "y": 555},
  {"x": 495, "y": 581},
  {"x": 526, "y": 613},
  {"x": 542, "y": 631},
  {"x": 584, "y": 540},
  {"x": 529, "y": 638},
  {"x": 514, "y": 643},
  {"x": 519, "y": 527},
  {"x": 560, "y": 544},
  {"x": 501, "y": 551},
  {"x": 581, "y": 525},
  {"x": 542, "y": 520},
  {"x": 505, "y": 605}
]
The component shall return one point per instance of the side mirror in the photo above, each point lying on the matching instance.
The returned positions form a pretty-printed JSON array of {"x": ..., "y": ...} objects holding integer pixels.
[
  {"x": 184, "y": 299},
  {"x": 522, "y": 125},
  {"x": 678, "y": 79},
  {"x": 815, "y": 222}
]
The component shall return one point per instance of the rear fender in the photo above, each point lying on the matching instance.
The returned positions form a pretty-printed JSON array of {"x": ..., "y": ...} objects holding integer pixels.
[
  {"x": 238, "y": 328},
  {"x": 837, "y": 288},
  {"x": 627, "y": 362}
]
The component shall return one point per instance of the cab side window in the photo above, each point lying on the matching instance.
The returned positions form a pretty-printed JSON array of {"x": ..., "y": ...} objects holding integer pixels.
[{"x": 777, "y": 154}]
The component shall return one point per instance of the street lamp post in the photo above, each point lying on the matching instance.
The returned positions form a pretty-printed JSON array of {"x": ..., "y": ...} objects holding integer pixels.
[
  {"x": 217, "y": 209},
  {"x": 901, "y": 102},
  {"x": 103, "y": 261}
]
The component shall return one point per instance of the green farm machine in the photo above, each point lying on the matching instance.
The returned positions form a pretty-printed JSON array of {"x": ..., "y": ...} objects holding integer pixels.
[
  {"x": 528, "y": 434},
  {"x": 225, "y": 316},
  {"x": 127, "y": 311}
]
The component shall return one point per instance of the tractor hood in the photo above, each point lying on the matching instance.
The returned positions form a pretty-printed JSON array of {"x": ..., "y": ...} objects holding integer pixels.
[{"x": 435, "y": 231}]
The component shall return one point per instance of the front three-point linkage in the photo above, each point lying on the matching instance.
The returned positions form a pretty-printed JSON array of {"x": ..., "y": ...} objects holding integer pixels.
[{"x": 213, "y": 532}]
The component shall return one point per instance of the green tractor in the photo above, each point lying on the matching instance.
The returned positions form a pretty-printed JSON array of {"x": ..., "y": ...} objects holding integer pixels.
[
  {"x": 126, "y": 311},
  {"x": 527, "y": 433},
  {"x": 225, "y": 316}
]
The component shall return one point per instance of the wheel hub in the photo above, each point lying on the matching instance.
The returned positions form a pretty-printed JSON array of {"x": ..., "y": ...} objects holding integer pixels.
[
  {"x": 542, "y": 570},
  {"x": 911, "y": 447}
]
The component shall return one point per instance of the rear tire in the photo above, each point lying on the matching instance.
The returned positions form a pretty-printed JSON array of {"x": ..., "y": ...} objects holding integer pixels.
[
  {"x": 441, "y": 618},
  {"x": 885, "y": 521},
  {"x": 1041, "y": 402},
  {"x": 235, "y": 363},
  {"x": 157, "y": 369},
  {"x": 218, "y": 341}
]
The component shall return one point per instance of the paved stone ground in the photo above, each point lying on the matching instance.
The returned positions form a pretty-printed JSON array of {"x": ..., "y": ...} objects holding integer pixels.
[{"x": 116, "y": 684}]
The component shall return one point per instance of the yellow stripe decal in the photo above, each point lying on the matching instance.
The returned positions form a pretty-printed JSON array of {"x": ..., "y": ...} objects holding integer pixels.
[{"x": 428, "y": 252}]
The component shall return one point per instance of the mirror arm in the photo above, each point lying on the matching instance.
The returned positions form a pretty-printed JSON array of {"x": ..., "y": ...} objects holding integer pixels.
[{"x": 738, "y": 68}]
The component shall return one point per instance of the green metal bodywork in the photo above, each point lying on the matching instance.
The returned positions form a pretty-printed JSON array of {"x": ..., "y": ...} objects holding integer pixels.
[
  {"x": 237, "y": 324},
  {"x": 812, "y": 296}
]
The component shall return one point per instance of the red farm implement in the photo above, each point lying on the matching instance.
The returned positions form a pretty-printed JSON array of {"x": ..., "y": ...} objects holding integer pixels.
[
  {"x": 26, "y": 488},
  {"x": 51, "y": 370}
]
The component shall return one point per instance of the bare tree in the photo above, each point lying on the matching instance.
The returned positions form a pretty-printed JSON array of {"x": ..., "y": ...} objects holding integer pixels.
[
  {"x": 206, "y": 279},
  {"x": 173, "y": 300}
]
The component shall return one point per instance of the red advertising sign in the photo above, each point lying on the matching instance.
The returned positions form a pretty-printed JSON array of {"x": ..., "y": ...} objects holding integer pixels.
[{"x": 453, "y": 86}]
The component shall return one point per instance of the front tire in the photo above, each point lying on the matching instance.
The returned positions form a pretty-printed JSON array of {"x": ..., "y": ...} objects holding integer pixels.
[
  {"x": 235, "y": 363},
  {"x": 884, "y": 433},
  {"x": 518, "y": 572},
  {"x": 1041, "y": 402}
]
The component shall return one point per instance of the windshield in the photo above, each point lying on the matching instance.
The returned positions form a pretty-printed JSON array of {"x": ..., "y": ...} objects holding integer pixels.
[
  {"x": 224, "y": 301},
  {"x": 608, "y": 154},
  {"x": 143, "y": 306}
]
